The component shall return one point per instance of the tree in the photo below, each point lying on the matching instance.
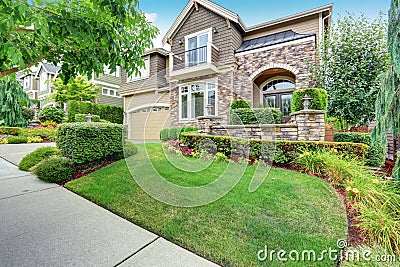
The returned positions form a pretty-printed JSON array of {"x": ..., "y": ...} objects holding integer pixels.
[
  {"x": 83, "y": 35},
  {"x": 388, "y": 101},
  {"x": 352, "y": 56},
  {"x": 12, "y": 99},
  {"x": 77, "y": 88}
]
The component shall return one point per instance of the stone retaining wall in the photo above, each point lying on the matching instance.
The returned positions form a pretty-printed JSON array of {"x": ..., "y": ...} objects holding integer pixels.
[{"x": 306, "y": 125}]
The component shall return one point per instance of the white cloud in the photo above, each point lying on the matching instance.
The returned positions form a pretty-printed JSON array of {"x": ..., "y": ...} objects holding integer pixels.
[{"x": 151, "y": 17}]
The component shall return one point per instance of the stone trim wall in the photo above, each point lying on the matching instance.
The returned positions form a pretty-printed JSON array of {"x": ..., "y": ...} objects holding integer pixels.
[{"x": 305, "y": 125}]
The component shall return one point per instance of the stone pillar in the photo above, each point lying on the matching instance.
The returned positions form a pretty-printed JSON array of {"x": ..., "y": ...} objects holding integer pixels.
[
  {"x": 205, "y": 124},
  {"x": 310, "y": 124}
]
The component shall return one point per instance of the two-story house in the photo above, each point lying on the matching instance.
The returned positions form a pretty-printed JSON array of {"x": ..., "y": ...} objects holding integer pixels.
[
  {"x": 214, "y": 59},
  {"x": 37, "y": 84}
]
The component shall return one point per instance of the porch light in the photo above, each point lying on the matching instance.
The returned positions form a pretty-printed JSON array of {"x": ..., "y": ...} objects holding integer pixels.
[
  {"x": 89, "y": 118},
  {"x": 180, "y": 42},
  {"x": 209, "y": 109},
  {"x": 306, "y": 101},
  {"x": 215, "y": 29}
]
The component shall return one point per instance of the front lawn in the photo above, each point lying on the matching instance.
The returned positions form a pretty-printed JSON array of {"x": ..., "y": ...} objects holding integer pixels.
[{"x": 289, "y": 211}]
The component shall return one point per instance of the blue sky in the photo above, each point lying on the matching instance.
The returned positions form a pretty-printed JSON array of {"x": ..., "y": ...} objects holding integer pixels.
[{"x": 163, "y": 13}]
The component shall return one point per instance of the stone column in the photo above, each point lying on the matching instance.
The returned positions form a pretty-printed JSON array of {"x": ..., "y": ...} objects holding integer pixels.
[
  {"x": 205, "y": 124},
  {"x": 310, "y": 124}
]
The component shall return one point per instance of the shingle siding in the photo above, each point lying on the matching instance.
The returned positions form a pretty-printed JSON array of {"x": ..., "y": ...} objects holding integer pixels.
[
  {"x": 109, "y": 100},
  {"x": 106, "y": 78}
]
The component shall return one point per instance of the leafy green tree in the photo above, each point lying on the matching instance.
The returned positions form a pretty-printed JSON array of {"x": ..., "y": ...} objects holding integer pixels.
[
  {"x": 83, "y": 35},
  {"x": 12, "y": 99},
  {"x": 352, "y": 56},
  {"x": 78, "y": 88},
  {"x": 388, "y": 100}
]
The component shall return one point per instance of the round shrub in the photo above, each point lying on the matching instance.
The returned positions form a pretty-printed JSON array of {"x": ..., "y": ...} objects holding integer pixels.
[
  {"x": 51, "y": 114},
  {"x": 319, "y": 99},
  {"x": 17, "y": 139},
  {"x": 28, "y": 113},
  {"x": 240, "y": 104},
  {"x": 54, "y": 169},
  {"x": 129, "y": 149},
  {"x": 37, "y": 156}
]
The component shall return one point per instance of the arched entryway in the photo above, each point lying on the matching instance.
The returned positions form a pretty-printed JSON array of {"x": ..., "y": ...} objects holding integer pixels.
[{"x": 274, "y": 88}]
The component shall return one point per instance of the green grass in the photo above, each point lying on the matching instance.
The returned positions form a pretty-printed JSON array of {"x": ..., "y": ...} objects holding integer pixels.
[{"x": 288, "y": 211}]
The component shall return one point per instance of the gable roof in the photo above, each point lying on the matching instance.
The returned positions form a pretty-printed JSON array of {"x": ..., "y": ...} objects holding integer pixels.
[
  {"x": 48, "y": 68},
  {"x": 235, "y": 17},
  {"x": 207, "y": 4},
  {"x": 271, "y": 39}
]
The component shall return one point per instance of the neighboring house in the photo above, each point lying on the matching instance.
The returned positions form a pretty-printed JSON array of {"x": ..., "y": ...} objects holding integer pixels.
[
  {"x": 215, "y": 58},
  {"x": 37, "y": 84}
]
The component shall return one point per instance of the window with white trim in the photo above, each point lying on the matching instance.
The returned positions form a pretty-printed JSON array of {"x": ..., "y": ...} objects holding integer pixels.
[
  {"x": 110, "y": 92},
  {"x": 143, "y": 72},
  {"x": 117, "y": 72},
  {"x": 196, "y": 47},
  {"x": 195, "y": 98}
]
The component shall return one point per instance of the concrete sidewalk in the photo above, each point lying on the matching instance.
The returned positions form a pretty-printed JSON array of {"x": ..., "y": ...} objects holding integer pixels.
[{"x": 43, "y": 224}]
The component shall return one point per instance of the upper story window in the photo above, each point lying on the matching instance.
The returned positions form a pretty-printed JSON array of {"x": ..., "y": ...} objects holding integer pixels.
[
  {"x": 110, "y": 92},
  {"x": 107, "y": 71},
  {"x": 26, "y": 82},
  {"x": 143, "y": 72},
  {"x": 195, "y": 98},
  {"x": 196, "y": 47}
]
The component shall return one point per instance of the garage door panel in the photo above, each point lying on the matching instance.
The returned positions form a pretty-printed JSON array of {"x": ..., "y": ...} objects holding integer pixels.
[{"x": 147, "y": 125}]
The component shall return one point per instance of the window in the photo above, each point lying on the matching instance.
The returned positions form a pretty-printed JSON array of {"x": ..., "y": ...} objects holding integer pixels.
[
  {"x": 143, "y": 72},
  {"x": 110, "y": 92},
  {"x": 278, "y": 94},
  {"x": 196, "y": 47},
  {"x": 107, "y": 71},
  {"x": 194, "y": 99}
]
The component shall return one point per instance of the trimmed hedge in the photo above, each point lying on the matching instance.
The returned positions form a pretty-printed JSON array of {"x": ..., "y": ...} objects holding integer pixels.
[
  {"x": 248, "y": 116},
  {"x": 28, "y": 113},
  {"x": 36, "y": 156},
  {"x": 240, "y": 104},
  {"x": 82, "y": 118},
  {"x": 319, "y": 99},
  {"x": 54, "y": 169},
  {"x": 376, "y": 152},
  {"x": 51, "y": 114},
  {"x": 86, "y": 142},
  {"x": 282, "y": 152},
  {"x": 109, "y": 113},
  {"x": 174, "y": 133}
]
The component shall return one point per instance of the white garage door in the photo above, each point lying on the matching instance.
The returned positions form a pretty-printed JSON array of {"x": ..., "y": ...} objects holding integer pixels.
[{"x": 146, "y": 124}]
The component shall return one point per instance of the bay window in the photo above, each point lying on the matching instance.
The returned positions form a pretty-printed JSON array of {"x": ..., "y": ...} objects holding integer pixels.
[{"x": 194, "y": 99}]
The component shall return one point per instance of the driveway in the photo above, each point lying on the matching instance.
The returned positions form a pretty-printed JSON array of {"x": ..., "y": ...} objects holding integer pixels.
[{"x": 43, "y": 224}]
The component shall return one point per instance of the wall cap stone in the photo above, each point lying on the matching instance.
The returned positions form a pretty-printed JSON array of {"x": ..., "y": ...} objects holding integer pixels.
[
  {"x": 255, "y": 126},
  {"x": 309, "y": 111}
]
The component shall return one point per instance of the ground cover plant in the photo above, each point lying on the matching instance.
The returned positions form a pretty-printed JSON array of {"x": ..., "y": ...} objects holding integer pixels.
[{"x": 289, "y": 211}]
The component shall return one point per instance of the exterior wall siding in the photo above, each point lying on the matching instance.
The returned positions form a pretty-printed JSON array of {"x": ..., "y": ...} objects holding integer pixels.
[
  {"x": 204, "y": 19},
  {"x": 305, "y": 25},
  {"x": 108, "y": 79},
  {"x": 109, "y": 100}
]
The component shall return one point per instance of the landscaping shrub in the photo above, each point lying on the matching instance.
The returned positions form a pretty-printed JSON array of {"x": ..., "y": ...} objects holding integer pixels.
[
  {"x": 17, "y": 139},
  {"x": 281, "y": 151},
  {"x": 49, "y": 123},
  {"x": 48, "y": 133},
  {"x": 51, "y": 114},
  {"x": 36, "y": 156},
  {"x": 34, "y": 139},
  {"x": 10, "y": 130},
  {"x": 85, "y": 142},
  {"x": 129, "y": 149},
  {"x": 28, "y": 113},
  {"x": 174, "y": 133},
  {"x": 54, "y": 169},
  {"x": 240, "y": 104},
  {"x": 109, "y": 113},
  {"x": 82, "y": 118},
  {"x": 255, "y": 116},
  {"x": 376, "y": 152},
  {"x": 319, "y": 99}
]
